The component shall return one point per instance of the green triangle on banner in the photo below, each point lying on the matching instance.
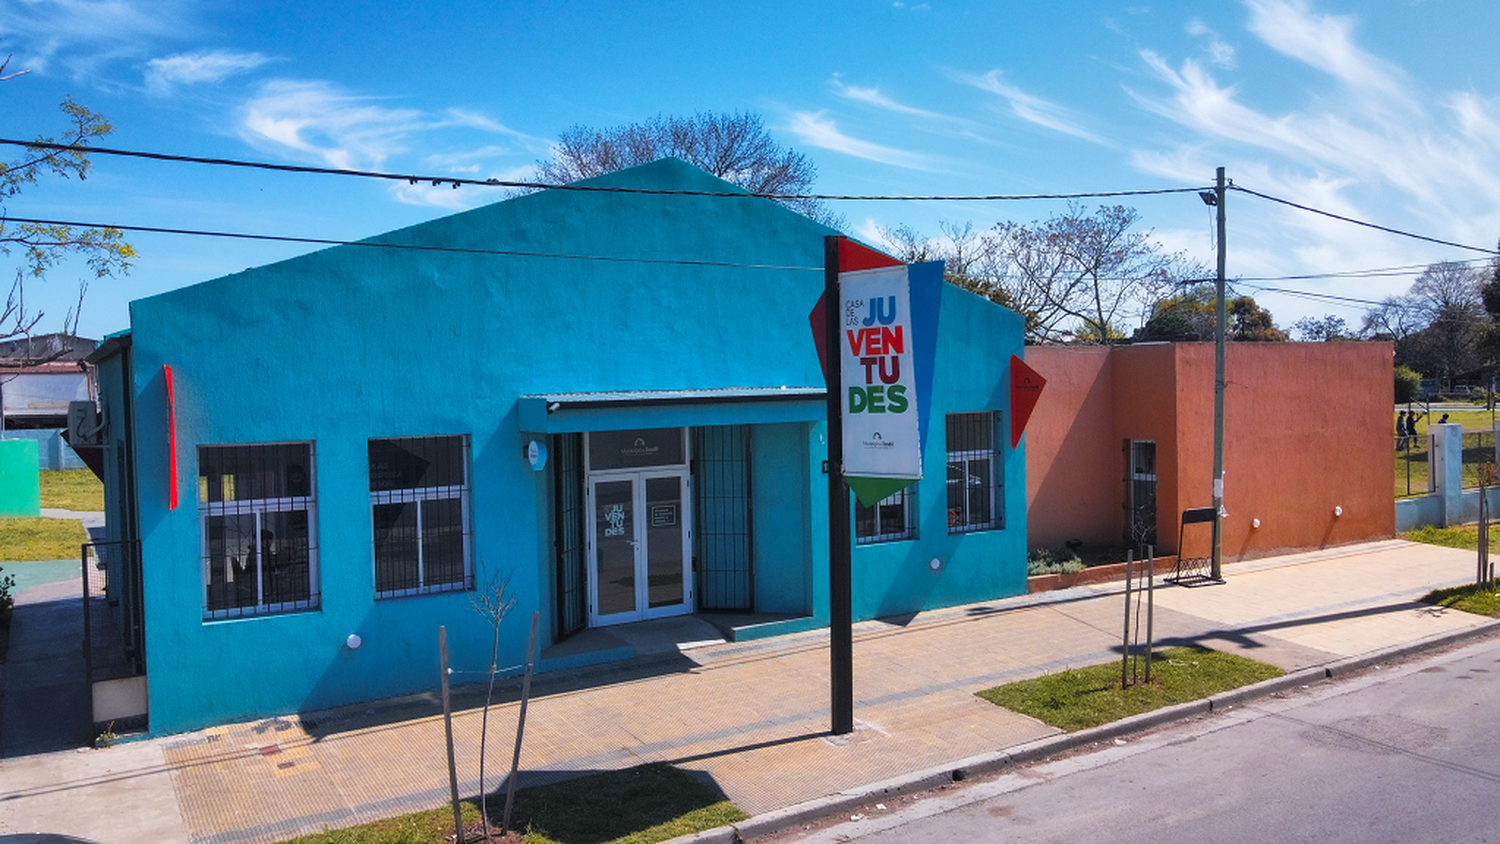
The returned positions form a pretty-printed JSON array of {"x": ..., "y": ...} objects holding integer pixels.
[{"x": 872, "y": 491}]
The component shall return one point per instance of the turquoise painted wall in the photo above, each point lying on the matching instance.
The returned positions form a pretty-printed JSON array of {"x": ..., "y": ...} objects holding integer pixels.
[
  {"x": 895, "y": 578},
  {"x": 352, "y": 342},
  {"x": 779, "y": 498},
  {"x": 20, "y": 485}
]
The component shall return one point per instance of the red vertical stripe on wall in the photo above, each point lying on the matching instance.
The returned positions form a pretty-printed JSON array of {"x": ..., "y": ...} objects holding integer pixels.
[{"x": 171, "y": 442}]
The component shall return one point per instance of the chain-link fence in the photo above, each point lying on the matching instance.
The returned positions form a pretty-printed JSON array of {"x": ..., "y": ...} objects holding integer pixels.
[
  {"x": 113, "y": 620},
  {"x": 1413, "y": 465},
  {"x": 1479, "y": 453}
]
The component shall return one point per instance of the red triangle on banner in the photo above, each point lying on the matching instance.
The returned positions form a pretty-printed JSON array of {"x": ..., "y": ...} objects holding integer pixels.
[
  {"x": 1025, "y": 388},
  {"x": 852, "y": 257}
]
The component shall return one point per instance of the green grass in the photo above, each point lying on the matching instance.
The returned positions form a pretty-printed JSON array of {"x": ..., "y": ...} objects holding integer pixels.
[
  {"x": 72, "y": 489},
  {"x": 1076, "y": 699},
  {"x": 427, "y": 827},
  {"x": 1480, "y": 600},
  {"x": 1412, "y": 465},
  {"x": 1464, "y": 536},
  {"x": 640, "y": 805},
  {"x": 40, "y": 538}
]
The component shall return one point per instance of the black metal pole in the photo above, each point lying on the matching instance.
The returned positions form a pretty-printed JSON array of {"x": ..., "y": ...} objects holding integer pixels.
[{"x": 840, "y": 580}]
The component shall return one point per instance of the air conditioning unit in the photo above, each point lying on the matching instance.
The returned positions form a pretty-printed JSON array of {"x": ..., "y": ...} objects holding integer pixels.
[{"x": 84, "y": 427}]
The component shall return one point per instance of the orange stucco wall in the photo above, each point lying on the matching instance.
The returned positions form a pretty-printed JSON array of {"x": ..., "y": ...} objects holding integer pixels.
[
  {"x": 1305, "y": 431},
  {"x": 1073, "y": 464}
]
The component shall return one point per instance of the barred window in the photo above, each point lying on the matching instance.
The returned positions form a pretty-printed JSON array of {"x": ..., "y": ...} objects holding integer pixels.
[
  {"x": 419, "y": 510},
  {"x": 975, "y": 480},
  {"x": 258, "y": 529},
  {"x": 889, "y": 520}
]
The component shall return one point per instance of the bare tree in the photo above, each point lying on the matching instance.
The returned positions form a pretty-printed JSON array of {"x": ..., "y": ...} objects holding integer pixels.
[
  {"x": 104, "y": 250},
  {"x": 735, "y": 147},
  {"x": 1079, "y": 275},
  {"x": 494, "y": 601},
  {"x": 1439, "y": 326}
]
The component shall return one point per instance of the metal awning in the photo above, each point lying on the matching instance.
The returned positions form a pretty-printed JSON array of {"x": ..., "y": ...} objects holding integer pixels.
[{"x": 556, "y": 413}]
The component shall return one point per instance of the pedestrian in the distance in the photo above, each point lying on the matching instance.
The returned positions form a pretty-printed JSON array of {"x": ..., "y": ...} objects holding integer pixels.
[
  {"x": 1444, "y": 420},
  {"x": 1401, "y": 431}
]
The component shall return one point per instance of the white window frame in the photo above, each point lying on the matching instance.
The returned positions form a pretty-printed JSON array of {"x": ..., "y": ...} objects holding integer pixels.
[
  {"x": 909, "y": 532},
  {"x": 994, "y": 519},
  {"x": 257, "y": 507},
  {"x": 417, "y": 495}
]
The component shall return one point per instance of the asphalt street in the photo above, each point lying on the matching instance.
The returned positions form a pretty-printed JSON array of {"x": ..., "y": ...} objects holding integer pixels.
[{"x": 1405, "y": 753}]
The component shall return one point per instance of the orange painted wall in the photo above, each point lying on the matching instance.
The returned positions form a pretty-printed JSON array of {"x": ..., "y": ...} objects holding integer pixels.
[
  {"x": 1146, "y": 408},
  {"x": 1069, "y": 442},
  {"x": 1305, "y": 431}
]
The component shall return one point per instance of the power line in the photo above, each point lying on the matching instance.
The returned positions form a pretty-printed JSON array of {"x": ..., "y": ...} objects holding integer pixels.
[
  {"x": 1364, "y": 223},
  {"x": 321, "y": 241},
  {"x": 438, "y": 181}
]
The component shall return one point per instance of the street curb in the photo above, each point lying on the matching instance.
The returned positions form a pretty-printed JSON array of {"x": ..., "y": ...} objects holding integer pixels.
[{"x": 925, "y": 780}]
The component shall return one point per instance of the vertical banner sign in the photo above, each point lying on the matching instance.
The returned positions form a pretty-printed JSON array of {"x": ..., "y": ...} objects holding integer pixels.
[
  {"x": 166, "y": 372},
  {"x": 881, "y": 434}
]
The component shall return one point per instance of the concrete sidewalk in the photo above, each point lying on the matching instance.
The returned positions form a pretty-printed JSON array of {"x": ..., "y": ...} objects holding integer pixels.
[{"x": 752, "y": 717}]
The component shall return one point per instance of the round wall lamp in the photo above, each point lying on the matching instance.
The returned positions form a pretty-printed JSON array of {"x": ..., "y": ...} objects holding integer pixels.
[
  {"x": 1255, "y": 523},
  {"x": 934, "y": 564},
  {"x": 354, "y": 641},
  {"x": 1338, "y": 511}
]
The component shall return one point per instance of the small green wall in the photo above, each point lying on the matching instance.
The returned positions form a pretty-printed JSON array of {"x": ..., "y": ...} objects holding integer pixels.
[{"x": 20, "y": 482}]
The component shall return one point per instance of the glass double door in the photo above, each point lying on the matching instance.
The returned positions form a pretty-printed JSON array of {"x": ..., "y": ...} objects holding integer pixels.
[{"x": 639, "y": 559}]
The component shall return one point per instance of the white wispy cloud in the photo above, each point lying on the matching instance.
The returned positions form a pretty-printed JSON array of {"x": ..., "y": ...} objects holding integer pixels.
[
  {"x": 467, "y": 161},
  {"x": 316, "y": 120},
  {"x": 876, "y": 98},
  {"x": 1216, "y": 50},
  {"x": 209, "y": 66},
  {"x": 81, "y": 35},
  {"x": 1030, "y": 108},
  {"x": 1359, "y": 144},
  {"x": 1325, "y": 42},
  {"x": 815, "y": 129}
]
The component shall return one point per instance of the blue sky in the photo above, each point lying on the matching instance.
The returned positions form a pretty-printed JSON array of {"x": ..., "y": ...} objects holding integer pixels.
[{"x": 1383, "y": 111}]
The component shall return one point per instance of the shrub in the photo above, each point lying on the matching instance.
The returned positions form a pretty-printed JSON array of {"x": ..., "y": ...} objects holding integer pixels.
[
  {"x": 7, "y": 598},
  {"x": 1408, "y": 384},
  {"x": 1048, "y": 561}
]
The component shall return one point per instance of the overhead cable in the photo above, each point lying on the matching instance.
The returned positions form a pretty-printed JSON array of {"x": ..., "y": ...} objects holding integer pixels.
[
  {"x": 321, "y": 241},
  {"x": 1366, "y": 224},
  {"x": 439, "y": 181}
]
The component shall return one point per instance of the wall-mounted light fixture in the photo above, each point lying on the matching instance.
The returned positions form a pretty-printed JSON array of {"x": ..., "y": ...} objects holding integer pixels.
[{"x": 536, "y": 454}]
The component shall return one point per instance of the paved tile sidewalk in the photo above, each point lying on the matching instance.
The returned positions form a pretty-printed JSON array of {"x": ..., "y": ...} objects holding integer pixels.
[{"x": 753, "y": 716}]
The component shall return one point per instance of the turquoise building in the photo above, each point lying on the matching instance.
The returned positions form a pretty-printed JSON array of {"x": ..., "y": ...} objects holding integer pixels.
[{"x": 610, "y": 400}]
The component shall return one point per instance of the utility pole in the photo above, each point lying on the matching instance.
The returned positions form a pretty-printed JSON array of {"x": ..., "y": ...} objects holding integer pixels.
[
  {"x": 840, "y": 573},
  {"x": 1216, "y": 570}
]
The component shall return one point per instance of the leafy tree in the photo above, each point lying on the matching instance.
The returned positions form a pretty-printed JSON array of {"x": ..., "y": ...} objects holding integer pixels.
[
  {"x": 735, "y": 147},
  {"x": 1327, "y": 329},
  {"x": 1192, "y": 315},
  {"x": 1251, "y": 323},
  {"x": 104, "y": 250},
  {"x": 1189, "y": 315},
  {"x": 1408, "y": 384}
]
